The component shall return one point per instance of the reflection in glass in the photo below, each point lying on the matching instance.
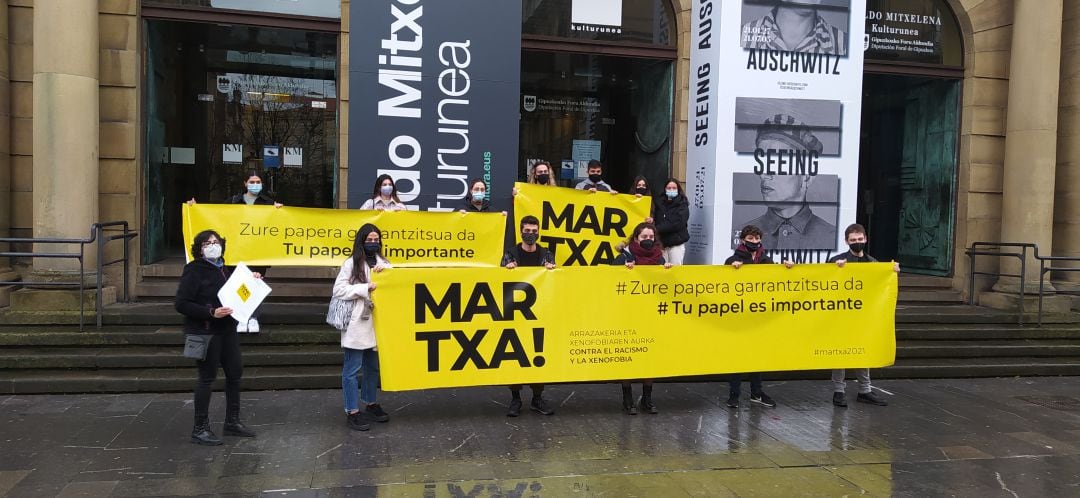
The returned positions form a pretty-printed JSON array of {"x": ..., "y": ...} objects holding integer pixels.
[
  {"x": 316, "y": 8},
  {"x": 650, "y": 22}
]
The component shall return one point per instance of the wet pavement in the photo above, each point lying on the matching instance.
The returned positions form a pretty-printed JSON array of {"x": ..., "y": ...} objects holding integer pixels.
[{"x": 969, "y": 437}]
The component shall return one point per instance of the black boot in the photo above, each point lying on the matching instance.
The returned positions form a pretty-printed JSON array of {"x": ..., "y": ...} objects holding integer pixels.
[
  {"x": 647, "y": 405},
  {"x": 628, "y": 400},
  {"x": 234, "y": 427},
  {"x": 201, "y": 433}
]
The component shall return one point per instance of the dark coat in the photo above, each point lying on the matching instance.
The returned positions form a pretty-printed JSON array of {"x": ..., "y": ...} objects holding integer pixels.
[
  {"x": 747, "y": 258},
  {"x": 485, "y": 206},
  {"x": 196, "y": 298},
  {"x": 261, "y": 200},
  {"x": 670, "y": 218}
]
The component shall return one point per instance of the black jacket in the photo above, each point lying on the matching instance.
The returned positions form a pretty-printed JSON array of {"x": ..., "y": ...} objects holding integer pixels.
[
  {"x": 670, "y": 218},
  {"x": 485, "y": 206},
  {"x": 741, "y": 254},
  {"x": 260, "y": 200},
  {"x": 196, "y": 298}
]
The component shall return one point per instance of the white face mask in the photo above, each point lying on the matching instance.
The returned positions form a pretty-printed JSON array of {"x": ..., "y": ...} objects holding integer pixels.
[{"x": 212, "y": 251}]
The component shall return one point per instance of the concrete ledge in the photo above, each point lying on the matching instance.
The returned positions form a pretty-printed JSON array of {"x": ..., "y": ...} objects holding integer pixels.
[
  {"x": 60, "y": 299},
  {"x": 1053, "y": 304}
]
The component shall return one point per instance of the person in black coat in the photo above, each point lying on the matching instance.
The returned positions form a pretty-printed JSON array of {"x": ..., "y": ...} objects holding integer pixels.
[
  {"x": 671, "y": 213},
  {"x": 197, "y": 300}
]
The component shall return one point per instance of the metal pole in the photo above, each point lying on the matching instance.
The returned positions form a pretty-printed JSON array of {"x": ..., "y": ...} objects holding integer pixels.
[
  {"x": 1023, "y": 276},
  {"x": 126, "y": 240},
  {"x": 971, "y": 272},
  {"x": 100, "y": 235}
]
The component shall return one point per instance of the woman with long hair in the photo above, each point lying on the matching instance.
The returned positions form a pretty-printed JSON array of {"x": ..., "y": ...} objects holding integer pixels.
[{"x": 384, "y": 196}]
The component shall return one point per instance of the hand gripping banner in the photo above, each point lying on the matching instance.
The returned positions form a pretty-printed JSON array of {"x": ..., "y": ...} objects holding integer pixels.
[
  {"x": 493, "y": 326},
  {"x": 292, "y": 236}
]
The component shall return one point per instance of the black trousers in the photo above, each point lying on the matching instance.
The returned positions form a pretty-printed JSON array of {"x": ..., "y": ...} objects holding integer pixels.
[{"x": 224, "y": 352}]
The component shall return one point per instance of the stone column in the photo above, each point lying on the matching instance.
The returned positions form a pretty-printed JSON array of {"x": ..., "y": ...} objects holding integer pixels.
[
  {"x": 66, "y": 139},
  {"x": 1067, "y": 197},
  {"x": 6, "y": 273},
  {"x": 1031, "y": 134}
]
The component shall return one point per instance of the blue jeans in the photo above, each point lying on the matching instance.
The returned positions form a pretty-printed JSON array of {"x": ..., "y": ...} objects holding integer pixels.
[
  {"x": 735, "y": 384},
  {"x": 366, "y": 363}
]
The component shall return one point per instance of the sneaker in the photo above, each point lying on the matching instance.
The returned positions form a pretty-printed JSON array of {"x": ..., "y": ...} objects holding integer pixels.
[
  {"x": 355, "y": 421},
  {"x": 646, "y": 405},
  {"x": 515, "y": 408},
  {"x": 376, "y": 413},
  {"x": 540, "y": 406},
  {"x": 871, "y": 398},
  {"x": 762, "y": 399},
  {"x": 241, "y": 328},
  {"x": 839, "y": 399},
  {"x": 733, "y": 401},
  {"x": 253, "y": 326}
]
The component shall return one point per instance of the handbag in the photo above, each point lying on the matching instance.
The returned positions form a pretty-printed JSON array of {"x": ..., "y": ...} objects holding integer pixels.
[
  {"x": 195, "y": 346},
  {"x": 340, "y": 312}
]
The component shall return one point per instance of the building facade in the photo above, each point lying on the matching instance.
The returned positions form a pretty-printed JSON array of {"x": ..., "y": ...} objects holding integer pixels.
[{"x": 123, "y": 109}]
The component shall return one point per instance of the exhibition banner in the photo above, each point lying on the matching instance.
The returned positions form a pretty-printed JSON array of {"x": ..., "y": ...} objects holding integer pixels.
[
  {"x": 434, "y": 89},
  {"x": 579, "y": 227},
  {"x": 291, "y": 236},
  {"x": 774, "y": 111},
  {"x": 492, "y": 326}
]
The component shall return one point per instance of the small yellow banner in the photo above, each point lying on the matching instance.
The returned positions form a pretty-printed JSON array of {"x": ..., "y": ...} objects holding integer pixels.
[
  {"x": 579, "y": 227},
  {"x": 243, "y": 292},
  {"x": 492, "y": 326},
  {"x": 291, "y": 236}
]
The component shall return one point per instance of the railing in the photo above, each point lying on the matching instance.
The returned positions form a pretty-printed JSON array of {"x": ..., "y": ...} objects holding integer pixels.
[
  {"x": 98, "y": 237},
  {"x": 976, "y": 249}
]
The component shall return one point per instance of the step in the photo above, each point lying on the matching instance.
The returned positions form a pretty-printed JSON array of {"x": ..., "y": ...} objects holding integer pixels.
[
  {"x": 162, "y": 379},
  {"x": 934, "y": 296},
  {"x": 984, "y": 332},
  {"x": 172, "y": 336},
  {"x": 912, "y": 281},
  {"x": 172, "y": 269},
  {"x": 160, "y": 357},
  {"x": 293, "y": 291},
  {"x": 930, "y": 368},
  {"x": 982, "y": 349}
]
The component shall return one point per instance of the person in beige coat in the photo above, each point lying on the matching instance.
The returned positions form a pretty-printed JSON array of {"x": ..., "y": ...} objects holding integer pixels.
[{"x": 358, "y": 340}]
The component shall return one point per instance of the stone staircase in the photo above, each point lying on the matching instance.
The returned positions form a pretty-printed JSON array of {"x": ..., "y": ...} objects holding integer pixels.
[{"x": 138, "y": 350}]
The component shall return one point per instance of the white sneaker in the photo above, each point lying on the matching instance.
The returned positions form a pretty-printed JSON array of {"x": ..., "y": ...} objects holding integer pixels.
[
  {"x": 241, "y": 327},
  {"x": 253, "y": 326}
]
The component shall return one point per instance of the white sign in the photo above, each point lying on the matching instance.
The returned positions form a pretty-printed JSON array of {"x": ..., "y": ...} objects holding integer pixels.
[
  {"x": 294, "y": 157},
  {"x": 232, "y": 153},
  {"x": 224, "y": 84},
  {"x": 773, "y": 135},
  {"x": 597, "y": 12},
  {"x": 243, "y": 293},
  {"x": 318, "y": 104}
]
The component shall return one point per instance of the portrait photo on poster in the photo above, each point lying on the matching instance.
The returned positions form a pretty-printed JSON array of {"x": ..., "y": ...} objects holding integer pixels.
[
  {"x": 792, "y": 211},
  {"x": 808, "y": 26},
  {"x": 808, "y": 126}
]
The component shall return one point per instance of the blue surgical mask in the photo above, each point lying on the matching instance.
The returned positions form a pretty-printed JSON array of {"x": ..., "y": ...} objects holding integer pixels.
[
  {"x": 478, "y": 196},
  {"x": 671, "y": 194},
  {"x": 386, "y": 190},
  {"x": 254, "y": 188}
]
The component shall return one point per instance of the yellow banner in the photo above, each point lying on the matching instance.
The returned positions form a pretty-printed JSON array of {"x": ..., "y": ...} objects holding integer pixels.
[
  {"x": 492, "y": 326},
  {"x": 579, "y": 227},
  {"x": 292, "y": 236}
]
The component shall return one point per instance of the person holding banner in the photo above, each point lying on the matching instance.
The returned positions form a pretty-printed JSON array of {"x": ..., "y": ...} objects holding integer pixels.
[
  {"x": 252, "y": 195},
  {"x": 477, "y": 200},
  {"x": 671, "y": 213},
  {"x": 197, "y": 299},
  {"x": 641, "y": 249},
  {"x": 358, "y": 339},
  {"x": 528, "y": 253},
  {"x": 541, "y": 174},
  {"x": 595, "y": 182},
  {"x": 855, "y": 236},
  {"x": 384, "y": 196},
  {"x": 749, "y": 251}
]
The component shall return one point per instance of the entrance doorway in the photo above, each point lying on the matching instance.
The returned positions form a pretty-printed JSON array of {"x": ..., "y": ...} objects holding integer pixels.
[{"x": 908, "y": 170}]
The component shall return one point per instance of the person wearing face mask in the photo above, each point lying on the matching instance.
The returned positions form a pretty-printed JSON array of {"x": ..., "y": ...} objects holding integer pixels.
[
  {"x": 641, "y": 249},
  {"x": 358, "y": 339},
  {"x": 595, "y": 182},
  {"x": 384, "y": 196},
  {"x": 855, "y": 236},
  {"x": 196, "y": 299},
  {"x": 750, "y": 251},
  {"x": 529, "y": 253},
  {"x": 671, "y": 213}
]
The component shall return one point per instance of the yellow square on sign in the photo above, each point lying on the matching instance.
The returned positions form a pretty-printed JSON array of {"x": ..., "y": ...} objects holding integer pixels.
[{"x": 243, "y": 292}]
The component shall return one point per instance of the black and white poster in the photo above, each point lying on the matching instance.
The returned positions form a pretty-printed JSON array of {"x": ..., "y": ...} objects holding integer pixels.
[
  {"x": 434, "y": 94},
  {"x": 774, "y": 111}
]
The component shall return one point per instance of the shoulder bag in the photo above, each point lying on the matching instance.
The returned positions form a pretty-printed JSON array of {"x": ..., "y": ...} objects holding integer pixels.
[{"x": 196, "y": 345}]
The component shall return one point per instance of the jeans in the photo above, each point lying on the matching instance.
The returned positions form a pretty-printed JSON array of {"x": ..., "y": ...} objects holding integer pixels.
[
  {"x": 224, "y": 352},
  {"x": 674, "y": 255},
  {"x": 862, "y": 375},
  {"x": 735, "y": 384},
  {"x": 366, "y": 363}
]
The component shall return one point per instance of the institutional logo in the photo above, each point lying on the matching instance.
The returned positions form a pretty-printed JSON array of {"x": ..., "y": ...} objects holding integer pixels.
[
  {"x": 596, "y": 16},
  {"x": 528, "y": 102},
  {"x": 224, "y": 84}
]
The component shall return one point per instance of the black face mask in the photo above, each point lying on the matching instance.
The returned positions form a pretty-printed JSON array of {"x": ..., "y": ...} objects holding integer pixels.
[
  {"x": 529, "y": 238},
  {"x": 543, "y": 178},
  {"x": 752, "y": 246},
  {"x": 647, "y": 244},
  {"x": 857, "y": 246},
  {"x": 372, "y": 248},
  {"x": 642, "y": 190},
  {"x": 596, "y": 178}
]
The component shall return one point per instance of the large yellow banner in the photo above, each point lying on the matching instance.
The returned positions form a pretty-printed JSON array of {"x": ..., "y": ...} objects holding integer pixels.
[
  {"x": 292, "y": 236},
  {"x": 492, "y": 326},
  {"x": 579, "y": 227}
]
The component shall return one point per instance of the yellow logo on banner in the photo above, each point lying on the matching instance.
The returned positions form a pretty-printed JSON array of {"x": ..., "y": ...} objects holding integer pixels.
[
  {"x": 243, "y": 292},
  {"x": 264, "y": 235},
  {"x": 579, "y": 227},
  {"x": 446, "y": 328}
]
